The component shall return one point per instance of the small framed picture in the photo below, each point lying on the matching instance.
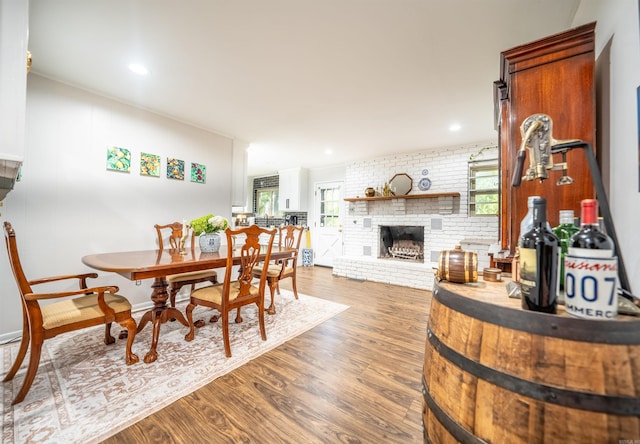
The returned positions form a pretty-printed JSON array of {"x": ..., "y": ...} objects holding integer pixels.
[
  {"x": 149, "y": 165},
  {"x": 175, "y": 168},
  {"x": 198, "y": 172},
  {"x": 118, "y": 159}
]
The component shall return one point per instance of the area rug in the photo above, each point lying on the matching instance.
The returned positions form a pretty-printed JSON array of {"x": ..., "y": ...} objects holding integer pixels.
[{"x": 84, "y": 393}]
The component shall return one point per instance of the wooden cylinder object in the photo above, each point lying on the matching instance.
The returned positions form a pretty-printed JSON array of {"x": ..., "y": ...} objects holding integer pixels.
[
  {"x": 496, "y": 373},
  {"x": 492, "y": 274},
  {"x": 458, "y": 265}
]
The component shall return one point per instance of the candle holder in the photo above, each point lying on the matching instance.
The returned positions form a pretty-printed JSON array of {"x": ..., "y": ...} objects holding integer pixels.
[{"x": 183, "y": 240}]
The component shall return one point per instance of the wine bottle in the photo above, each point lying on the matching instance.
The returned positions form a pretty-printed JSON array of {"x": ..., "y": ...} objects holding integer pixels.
[
  {"x": 591, "y": 269},
  {"x": 539, "y": 253},
  {"x": 590, "y": 240},
  {"x": 527, "y": 221},
  {"x": 564, "y": 231}
]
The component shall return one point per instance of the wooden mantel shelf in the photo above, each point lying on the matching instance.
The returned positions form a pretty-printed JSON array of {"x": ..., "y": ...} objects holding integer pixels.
[{"x": 406, "y": 196}]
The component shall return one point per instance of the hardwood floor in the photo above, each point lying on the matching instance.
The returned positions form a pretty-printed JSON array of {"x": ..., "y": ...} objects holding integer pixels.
[{"x": 355, "y": 378}]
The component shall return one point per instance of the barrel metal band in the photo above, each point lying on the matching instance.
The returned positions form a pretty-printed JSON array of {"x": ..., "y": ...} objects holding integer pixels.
[
  {"x": 457, "y": 431},
  {"x": 563, "y": 327},
  {"x": 615, "y": 405}
]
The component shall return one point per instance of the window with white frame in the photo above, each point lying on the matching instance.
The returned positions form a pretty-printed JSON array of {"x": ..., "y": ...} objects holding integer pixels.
[
  {"x": 267, "y": 202},
  {"x": 484, "y": 188},
  {"x": 330, "y": 201}
]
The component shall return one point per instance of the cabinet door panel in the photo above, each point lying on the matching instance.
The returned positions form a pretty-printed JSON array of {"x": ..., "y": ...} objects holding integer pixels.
[{"x": 292, "y": 189}]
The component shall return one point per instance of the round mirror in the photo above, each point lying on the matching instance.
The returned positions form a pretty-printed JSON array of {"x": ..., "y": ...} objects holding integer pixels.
[{"x": 401, "y": 184}]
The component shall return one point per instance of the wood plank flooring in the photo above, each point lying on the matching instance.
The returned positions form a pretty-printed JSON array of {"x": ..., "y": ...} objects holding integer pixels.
[{"x": 355, "y": 378}]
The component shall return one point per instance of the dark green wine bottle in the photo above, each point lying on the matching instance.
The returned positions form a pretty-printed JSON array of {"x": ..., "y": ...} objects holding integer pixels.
[
  {"x": 539, "y": 254},
  {"x": 564, "y": 231}
]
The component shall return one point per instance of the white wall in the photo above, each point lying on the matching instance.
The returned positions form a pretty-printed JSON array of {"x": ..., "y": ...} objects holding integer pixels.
[
  {"x": 14, "y": 17},
  {"x": 618, "y": 22},
  {"x": 68, "y": 205}
]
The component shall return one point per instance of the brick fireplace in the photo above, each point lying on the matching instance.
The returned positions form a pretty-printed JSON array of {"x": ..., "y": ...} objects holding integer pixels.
[
  {"x": 402, "y": 242},
  {"x": 444, "y": 220}
]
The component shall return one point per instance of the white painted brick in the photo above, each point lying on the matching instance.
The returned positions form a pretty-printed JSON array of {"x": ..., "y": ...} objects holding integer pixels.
[{"x": 448, "y": 170}]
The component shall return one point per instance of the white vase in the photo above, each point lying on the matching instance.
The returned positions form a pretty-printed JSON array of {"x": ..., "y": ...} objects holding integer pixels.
[{"x": 209, "y": 242}]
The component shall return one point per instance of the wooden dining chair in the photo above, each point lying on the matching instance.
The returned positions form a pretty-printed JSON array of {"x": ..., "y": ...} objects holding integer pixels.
[
  {"x": 290, "y": 236},
  {"x": 80, "y": 309},
  {"x": 177, "y": 281},
  {"x": 234, "y": 294}
]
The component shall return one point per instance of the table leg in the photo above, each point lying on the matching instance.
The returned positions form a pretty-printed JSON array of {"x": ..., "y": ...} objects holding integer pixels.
[
  {"x": 159, "y": 314},
  {"x": 156, "y": 317}
]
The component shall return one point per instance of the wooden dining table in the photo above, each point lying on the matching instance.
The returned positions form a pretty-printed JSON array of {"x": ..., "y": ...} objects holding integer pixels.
[{"x": 157, "y": 265}]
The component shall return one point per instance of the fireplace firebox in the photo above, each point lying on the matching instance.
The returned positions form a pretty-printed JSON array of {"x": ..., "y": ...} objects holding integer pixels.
[{"x": 403, "y": 242}]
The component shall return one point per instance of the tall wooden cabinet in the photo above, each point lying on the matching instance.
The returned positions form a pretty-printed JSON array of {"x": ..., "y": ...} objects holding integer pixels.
[{"x": 553, "y": 76}]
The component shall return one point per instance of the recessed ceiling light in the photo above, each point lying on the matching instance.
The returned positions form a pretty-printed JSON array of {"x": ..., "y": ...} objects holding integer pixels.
[
  {"x": 328, "y": 151},
  {"x": 139, "y": 69},
  {"x": 455, "y": 127}
]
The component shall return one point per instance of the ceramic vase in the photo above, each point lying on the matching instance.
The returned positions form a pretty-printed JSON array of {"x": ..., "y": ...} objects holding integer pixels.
[{"x": 209, "y": 242}]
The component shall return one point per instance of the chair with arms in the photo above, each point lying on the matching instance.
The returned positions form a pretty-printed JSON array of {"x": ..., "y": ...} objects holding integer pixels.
[
  {"x": 234, "y": 294},
  {"x": 177, "y": 281},
  {"x": 290, "y": 236},
  {"x": 89, "y": 307}
]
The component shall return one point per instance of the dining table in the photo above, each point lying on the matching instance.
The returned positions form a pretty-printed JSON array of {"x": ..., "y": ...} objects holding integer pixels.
[{"x": 157, "y": 265}]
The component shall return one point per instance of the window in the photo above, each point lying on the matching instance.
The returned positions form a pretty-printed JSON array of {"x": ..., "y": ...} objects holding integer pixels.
[
  {"x": 330, "y": 200},
  {"x": 267, "y": 202},
  {"x": 484, "y": 188}
]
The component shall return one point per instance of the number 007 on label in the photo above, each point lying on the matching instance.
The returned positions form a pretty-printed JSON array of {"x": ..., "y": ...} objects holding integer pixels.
[{"x": 590, "y": 287}]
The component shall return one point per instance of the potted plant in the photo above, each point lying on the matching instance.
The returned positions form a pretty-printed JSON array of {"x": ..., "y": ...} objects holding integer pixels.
[{"x": 208, "y": 228}]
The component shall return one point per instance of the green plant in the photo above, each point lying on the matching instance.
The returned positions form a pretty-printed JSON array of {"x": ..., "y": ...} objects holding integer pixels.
[{"x": 208, "y": 224}]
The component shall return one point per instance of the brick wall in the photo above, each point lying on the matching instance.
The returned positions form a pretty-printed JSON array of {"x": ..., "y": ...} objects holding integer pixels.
[{"x": 445, "y": 220}]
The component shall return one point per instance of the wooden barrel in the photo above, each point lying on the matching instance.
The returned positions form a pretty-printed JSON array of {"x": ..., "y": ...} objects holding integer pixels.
[
  {"x": 458, "y": 265},
  {"x": 496, "y": 373}
]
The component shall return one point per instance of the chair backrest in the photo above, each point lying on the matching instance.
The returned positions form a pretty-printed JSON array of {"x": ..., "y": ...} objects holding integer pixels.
[
  {"x": 174, "y": 231},
  {"x": 290, "y": 237},
  {"x": 249, "y": 257},
  {"x": 14, "y": 260}
]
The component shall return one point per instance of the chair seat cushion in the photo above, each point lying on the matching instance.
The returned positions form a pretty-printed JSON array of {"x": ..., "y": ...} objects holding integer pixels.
[
  {"x": 191, "y": 275},
  {"x": 272, "y": 271},
  {"x": 213, "y": 293},
  {"x": 80, "y": 309}
]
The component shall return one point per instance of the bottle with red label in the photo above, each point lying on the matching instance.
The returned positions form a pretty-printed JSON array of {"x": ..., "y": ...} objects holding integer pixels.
[{"x": 591, "y": 269}]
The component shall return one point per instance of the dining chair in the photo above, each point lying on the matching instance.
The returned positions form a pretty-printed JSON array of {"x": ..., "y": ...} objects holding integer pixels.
[
  {"x": 234, "y": 294},
  {"x": 177, "y": 281},
  {"x": 290, "y": 236},
  {"x": 79, "y": 309}
]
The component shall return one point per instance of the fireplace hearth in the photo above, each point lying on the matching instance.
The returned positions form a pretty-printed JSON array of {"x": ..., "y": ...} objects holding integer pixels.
[{"x": 402, "y": 242}]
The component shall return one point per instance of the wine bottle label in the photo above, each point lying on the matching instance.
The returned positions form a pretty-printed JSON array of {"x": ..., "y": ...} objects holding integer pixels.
[
  {"x": 528, "y": 271},
  {"x": 589, "y": 253},
  {"x": 590, "y": 286}
]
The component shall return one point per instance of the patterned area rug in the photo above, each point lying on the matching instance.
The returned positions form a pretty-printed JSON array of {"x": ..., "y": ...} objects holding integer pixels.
[{"x": 84, "y": 392}]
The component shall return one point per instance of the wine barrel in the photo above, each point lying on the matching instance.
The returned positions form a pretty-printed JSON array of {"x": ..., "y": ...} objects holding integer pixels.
[
  {"x": 496, "y": 373},
  {"x": 458, "y": 265}
]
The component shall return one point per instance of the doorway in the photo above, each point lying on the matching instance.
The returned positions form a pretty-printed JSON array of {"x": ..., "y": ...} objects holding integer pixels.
[{"x": 327, "y": 222}]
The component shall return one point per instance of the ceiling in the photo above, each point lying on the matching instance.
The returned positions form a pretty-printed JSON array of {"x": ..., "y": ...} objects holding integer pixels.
[{"x": 295, "y": 78}]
